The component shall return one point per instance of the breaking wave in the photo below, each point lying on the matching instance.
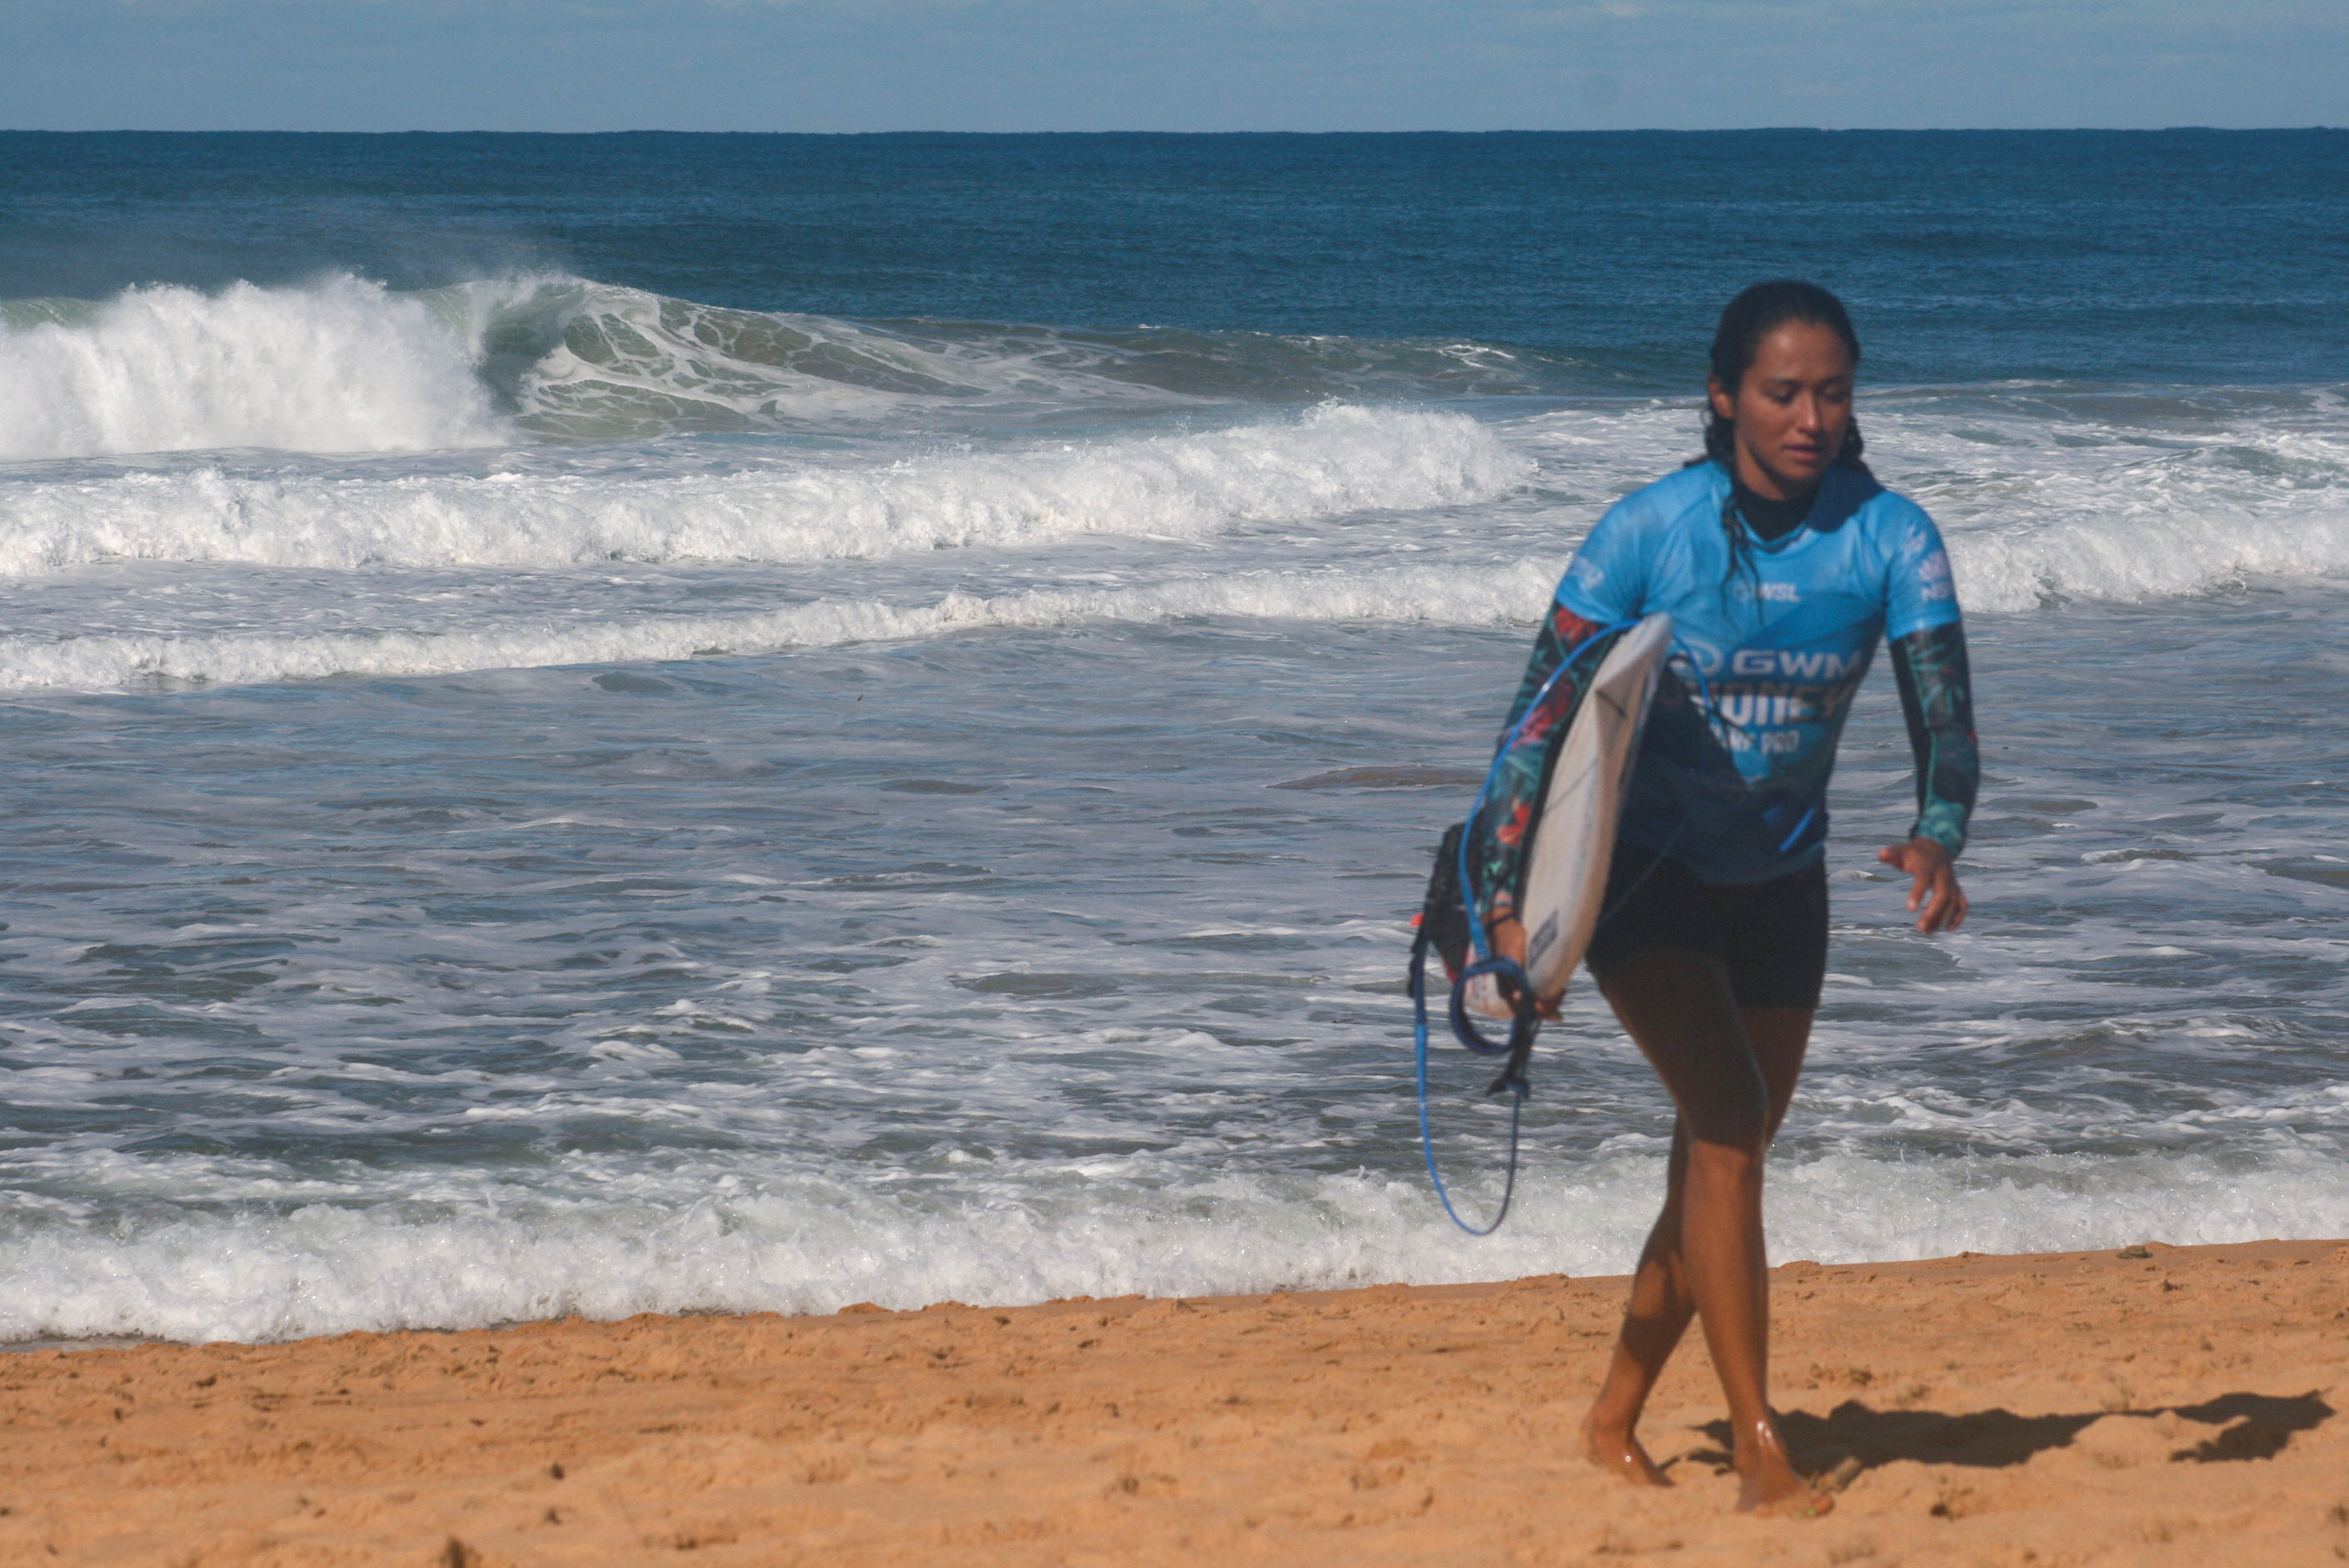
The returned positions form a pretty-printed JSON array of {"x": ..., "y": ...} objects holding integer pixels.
[
  {"x": 343, "y": 365},
  {"x": 340, "y": 366},
  {"x": 1332, "y": 461}
]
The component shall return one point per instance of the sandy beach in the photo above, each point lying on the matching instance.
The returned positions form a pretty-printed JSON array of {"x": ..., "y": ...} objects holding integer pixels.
[{"x": 2157, "y": 1405}]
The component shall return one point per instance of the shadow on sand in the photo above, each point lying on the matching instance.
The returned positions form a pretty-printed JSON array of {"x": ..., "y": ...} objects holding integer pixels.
[{"x": 1854, "y": 1438}]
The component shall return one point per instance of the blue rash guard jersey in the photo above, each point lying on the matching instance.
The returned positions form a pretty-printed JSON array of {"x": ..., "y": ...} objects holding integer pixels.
[{"x": 1782, "y": 635}]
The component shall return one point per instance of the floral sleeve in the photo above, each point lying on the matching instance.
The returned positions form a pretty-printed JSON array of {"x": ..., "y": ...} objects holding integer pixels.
[{"x": 1513, "y": 801}]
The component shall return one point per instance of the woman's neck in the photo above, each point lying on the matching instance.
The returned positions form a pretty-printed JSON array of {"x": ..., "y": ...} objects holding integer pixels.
[{"x": 1770, "y": 518}]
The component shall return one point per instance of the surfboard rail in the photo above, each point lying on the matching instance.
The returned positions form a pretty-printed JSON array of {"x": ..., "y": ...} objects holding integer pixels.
[{"x": 1570, "y": 842}]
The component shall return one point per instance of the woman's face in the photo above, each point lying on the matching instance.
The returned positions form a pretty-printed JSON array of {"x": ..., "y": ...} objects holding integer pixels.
[{"x": 1792, "y": 410}]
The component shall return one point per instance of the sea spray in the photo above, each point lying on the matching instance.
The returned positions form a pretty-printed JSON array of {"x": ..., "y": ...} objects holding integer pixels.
[
  {"x": 341, "y": 363},
  {"x": 342, "y": 366}
]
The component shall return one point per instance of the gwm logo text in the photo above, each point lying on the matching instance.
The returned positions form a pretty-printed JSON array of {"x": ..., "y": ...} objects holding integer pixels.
[{"x": 1792, "y": 663}]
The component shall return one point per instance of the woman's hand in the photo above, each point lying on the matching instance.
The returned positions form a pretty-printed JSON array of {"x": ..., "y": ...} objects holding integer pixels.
[
  {"x": 1507, "y": 938},
  {"x": 1934, "y": 897}
]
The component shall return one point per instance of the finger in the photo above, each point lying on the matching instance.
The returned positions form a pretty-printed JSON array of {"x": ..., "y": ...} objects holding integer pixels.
[
  {"x": 1931, "y": 904},
  {"x": 1949, "y": 906}
]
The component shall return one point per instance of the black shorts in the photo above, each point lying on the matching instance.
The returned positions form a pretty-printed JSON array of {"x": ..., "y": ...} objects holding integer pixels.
[{"x": 1772, "y": 936}]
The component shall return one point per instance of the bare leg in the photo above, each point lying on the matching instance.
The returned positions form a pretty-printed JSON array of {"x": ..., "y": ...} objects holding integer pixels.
[
  {"x": 1660, "y": 1308},
  {"x": 1731, "y": 1073},
  {"x": 1660, "y": 1312}
]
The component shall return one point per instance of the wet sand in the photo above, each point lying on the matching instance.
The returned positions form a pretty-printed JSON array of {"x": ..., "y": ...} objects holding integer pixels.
[{"x": 2178, "y": 1406}]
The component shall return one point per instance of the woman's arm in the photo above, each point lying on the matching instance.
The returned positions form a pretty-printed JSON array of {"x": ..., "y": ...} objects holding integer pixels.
[
  {"x": 1510, "y": 806},
  {"x": 1937, "y": 700},
  {"x": 1560, "y": 634}
]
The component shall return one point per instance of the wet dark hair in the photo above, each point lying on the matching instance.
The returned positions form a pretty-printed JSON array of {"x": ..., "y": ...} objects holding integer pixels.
[{"x": 1751, "y": 316}]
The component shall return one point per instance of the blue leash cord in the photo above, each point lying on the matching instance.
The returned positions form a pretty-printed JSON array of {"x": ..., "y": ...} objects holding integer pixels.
[
  {"x": 1476, "y": 944},
  {"x": 1513, "y": 1079},
  {"x": 1515, "y": 984}
]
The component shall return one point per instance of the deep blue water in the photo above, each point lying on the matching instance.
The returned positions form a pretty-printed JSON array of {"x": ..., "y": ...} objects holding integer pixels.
[{"x": 2192, "y": 256}]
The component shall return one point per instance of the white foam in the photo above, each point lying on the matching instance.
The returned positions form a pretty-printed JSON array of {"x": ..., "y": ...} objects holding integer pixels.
[
  {"x": 819, "y": 1245},
  {"x": 1455, "y": 595},
  {"x": 2046, "y": 497},
  {"x": 340, "y": 366},
  {"x": 343, "y": 365},
  {"x": 2128, "y": 554},
  {"x": 1332, "y": 461}
]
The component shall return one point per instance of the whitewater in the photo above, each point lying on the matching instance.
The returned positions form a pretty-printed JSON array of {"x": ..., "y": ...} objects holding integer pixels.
[{"x": 534, "y": 795}]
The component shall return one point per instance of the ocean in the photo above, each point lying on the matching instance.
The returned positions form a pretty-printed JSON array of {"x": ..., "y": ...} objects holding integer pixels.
[{"x": 686, "y": 723}]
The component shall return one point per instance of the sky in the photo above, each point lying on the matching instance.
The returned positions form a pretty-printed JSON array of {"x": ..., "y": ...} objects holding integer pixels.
[{"x": 1168, "y": 64}]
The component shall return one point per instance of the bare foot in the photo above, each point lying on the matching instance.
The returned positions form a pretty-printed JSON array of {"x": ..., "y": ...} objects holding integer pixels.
[
  {"x": 1615, "y": 1451},
  {"x": 1769, "y": 1485},
  {"x": 1774, "y": 1490}
]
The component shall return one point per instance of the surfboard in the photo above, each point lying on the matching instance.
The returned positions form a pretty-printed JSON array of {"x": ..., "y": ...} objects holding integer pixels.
[{"x": 1574, "y": 837}]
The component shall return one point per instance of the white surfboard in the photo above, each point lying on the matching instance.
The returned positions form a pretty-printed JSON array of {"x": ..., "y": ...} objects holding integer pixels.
[{"x": 1573, "y": 842}]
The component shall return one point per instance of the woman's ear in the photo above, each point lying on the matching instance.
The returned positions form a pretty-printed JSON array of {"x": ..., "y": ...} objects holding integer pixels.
[{"x": 1722, "y": 403}]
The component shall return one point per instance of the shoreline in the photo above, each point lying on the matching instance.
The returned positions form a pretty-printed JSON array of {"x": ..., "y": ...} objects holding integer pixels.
[
  {"x": 1971, "y": 1263},
  {"x": 2124, "y": 1406}
]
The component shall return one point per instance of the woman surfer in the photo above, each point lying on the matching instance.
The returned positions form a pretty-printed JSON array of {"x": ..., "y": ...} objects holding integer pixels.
[{"x": 1781, "y": 561}]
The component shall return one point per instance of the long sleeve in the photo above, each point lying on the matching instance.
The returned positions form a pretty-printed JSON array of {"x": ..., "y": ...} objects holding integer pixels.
[
  {"x": 1515, "y": 799},
  {"x": 1937, "y": 700}
]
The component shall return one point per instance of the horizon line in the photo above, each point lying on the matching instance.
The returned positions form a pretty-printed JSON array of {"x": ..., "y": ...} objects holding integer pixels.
[{"x": 1505, "y": 130}]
